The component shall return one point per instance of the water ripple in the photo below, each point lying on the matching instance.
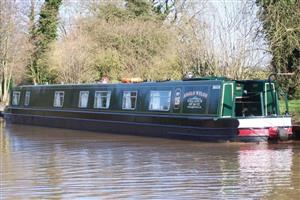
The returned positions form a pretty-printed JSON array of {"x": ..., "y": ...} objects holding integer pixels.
[{"x": 44, "y": 163}]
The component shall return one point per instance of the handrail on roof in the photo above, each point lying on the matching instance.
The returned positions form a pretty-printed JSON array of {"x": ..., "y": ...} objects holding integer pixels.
[{"x": 207, "y": 78}]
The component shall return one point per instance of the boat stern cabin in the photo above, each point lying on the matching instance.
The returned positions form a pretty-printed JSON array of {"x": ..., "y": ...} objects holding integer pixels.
[
  {"x": 257, "y": 109},
  {"x": 213, "y": 109}
]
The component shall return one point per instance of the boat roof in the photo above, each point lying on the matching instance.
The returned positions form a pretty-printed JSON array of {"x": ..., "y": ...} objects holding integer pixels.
[{"x": 203, "y": 80}]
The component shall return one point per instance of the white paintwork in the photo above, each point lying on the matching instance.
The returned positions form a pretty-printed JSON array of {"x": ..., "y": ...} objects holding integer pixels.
[{"x": 265, "y": 122}]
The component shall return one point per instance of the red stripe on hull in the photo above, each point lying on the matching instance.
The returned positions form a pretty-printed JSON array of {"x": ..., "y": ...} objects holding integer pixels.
[
  {"x": 253, "y": 132},
  {"x": 271, "y": 133}
]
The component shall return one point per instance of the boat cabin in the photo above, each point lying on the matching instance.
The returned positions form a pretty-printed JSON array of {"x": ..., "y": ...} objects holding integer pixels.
[{"x": 207, "y": 97}]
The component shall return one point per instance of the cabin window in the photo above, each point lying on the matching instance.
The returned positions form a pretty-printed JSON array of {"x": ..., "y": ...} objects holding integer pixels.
[
  {"x": 129, "y": 100},
  {"x": 58, "y": 99},
  {"x": 16, "y": 98},
  {"x": 27, "y": 98},
  {"x": 102, "y": 99},
  {"x": 83, "y": 99},
  {"x": 160, "y": 100}
]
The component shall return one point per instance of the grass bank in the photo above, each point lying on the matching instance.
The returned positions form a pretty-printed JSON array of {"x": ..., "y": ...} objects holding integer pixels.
[{"x": 294, "y": 108}]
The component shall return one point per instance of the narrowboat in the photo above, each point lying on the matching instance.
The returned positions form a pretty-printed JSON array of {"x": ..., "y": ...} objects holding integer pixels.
[{"x": 207, "y": 109}]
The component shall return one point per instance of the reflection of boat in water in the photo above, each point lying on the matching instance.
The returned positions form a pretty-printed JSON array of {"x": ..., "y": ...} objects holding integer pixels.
[
  {"x": 265, "y": 159},
  {"x": 266, "y": 170},
  {"x": 211, "y": 109}
]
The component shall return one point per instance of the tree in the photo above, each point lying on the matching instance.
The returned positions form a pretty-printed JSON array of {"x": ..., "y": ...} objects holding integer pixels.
[
  {"x": 139, "y": 8},
  {"x": 13, "y": 48},
  {"x": 41, "y": 37},
  {"x": 120, "y": 41},
  {"x": 281, "y": 26},
  {"x": 71, "y": 60},
  {"x": 164, "y": 8},
  {"x": 233, "y": 39}
]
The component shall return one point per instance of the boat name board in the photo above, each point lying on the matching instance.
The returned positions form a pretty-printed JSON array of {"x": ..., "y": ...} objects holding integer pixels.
[{"x": 195, "y": 99}]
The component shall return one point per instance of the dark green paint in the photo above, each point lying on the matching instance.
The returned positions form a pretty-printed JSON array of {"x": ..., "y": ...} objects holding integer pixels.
[{"x": 197, "y": 97}]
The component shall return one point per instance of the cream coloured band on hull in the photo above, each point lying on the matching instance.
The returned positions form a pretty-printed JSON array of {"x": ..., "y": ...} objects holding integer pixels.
[{"x": 265, "y": 122}]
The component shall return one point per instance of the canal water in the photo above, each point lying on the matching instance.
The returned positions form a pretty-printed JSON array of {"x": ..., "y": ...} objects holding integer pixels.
[{"x": 48, "y": 163}]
